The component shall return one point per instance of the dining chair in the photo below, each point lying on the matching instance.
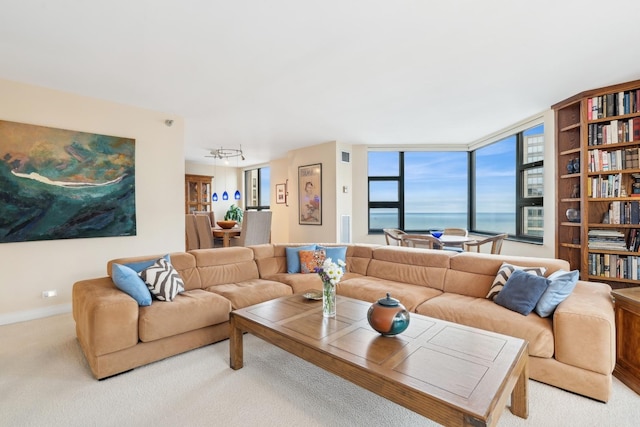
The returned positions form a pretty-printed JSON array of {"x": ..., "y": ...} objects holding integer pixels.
[
  {"x": 205, "y": 236},
  {"x": 455, "y": 232},
  {"x": 421, "y": 241},
  {"x": 256, "y": 228},
  {"x": 191, "y": 232},
  {"x": 495, "y": 241},
  {"x": 210, "y": 214},
  {"x": 393, "y": 236}
]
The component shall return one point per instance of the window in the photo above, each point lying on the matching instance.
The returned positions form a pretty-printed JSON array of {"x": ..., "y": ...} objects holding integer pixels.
[
  {"x": 384, "y": 190},
  {"x": 509, "y": 187},
  {"x": 257, "y": 185},
  {"x": 498, "y": 188},
  {"x": 495, "y": 187},
  {"x": 417, "y": 191},
  {"x": 530, "y": 166}
]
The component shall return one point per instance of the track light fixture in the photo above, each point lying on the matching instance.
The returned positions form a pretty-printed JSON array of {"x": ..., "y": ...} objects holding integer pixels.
[{"x": 226, "y": 153}]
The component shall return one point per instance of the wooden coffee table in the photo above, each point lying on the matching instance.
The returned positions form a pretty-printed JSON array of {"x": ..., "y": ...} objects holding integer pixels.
[{"x": 452, "y": 374}]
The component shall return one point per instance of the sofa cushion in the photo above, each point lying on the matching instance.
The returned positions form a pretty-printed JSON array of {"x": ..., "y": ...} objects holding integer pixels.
[
  {"x": 251, "y": 292},
  {"x": 372, "y": 289},
  {"x": 225, "y": 265},
  {"x": 505, "y": 272},
  {"x": 189, "y": 311},
  {"x": 335, "y": 252},
  {"x": 128, "y": 281},
  {"x": 422, "y": 267},
  {"x": 163, "y": 280},
  {"x": 522, "y": 292},
  {"x": 561, "y": 284},
  {"x": 310, "y": 260},
  {"x": 293, "y": 258},
  {"x": 485, "y": 314}
]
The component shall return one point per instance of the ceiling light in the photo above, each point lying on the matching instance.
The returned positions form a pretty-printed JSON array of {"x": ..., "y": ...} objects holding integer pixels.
[{"x": 226, "y": 153}]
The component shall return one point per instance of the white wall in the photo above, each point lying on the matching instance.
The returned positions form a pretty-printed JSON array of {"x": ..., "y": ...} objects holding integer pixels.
[
  {"x": 328, "y": 231},
  {"x": 28, "y": 268},
  {"x": 280, "y": 220}
]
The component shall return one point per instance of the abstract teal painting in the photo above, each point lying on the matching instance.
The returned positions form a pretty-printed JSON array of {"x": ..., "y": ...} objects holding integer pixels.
[{"x": 64, "y": 184}]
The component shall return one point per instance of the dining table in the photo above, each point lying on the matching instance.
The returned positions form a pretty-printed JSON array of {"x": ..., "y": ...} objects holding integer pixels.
[
  {"x": 453, "y": 240},
  {"x": 226, "y": 234}
]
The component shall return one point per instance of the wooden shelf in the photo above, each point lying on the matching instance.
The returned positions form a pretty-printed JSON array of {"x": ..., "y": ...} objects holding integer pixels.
[
  {"x": 613, "y": 172},
  {"x": 571, "y": 245},
  {"x": 570, "y": 127},
  {"x": 570, "y": 151},
  {"x": 613, "y": 279},
  {"x": 614, "y": 226},
  {"x": 573, "y": 129}
]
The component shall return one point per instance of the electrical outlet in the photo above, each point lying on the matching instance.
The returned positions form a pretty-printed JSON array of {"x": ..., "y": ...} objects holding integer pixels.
[{"x": 49, "y": 294}]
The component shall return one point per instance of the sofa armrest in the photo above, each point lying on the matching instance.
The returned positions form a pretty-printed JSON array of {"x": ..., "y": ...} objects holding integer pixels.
[
  {"x": 106, "y": 318},
  {"x": 584, "y": 328}
]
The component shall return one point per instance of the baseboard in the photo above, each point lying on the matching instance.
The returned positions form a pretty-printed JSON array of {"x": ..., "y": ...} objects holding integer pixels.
[{"x": 23, "y": 316}]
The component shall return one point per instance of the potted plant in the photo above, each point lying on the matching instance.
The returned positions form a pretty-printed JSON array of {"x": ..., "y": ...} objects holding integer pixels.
[{"x": 234, "y": 213}]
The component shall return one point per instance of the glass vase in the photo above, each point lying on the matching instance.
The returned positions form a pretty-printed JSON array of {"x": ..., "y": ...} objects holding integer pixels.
[{"x": 328, "y": 299}]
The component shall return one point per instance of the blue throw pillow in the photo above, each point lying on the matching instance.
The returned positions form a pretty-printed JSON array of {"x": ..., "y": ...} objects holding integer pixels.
[
  {"x": 293, "y": 259},
  {"x": 128, "y": 281},
  {"x": 522, "y": 292},
  {"x": 561, "y": 285},
  {"x": 143, "y": 265},
  {"x": 335, "y": 252}
]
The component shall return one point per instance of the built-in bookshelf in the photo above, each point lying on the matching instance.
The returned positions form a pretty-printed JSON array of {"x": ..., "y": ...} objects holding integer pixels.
[{"x": 598, "y": 183}]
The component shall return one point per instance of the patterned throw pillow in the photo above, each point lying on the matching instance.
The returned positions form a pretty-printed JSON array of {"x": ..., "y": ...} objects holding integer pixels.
[
  {"x": 163, "y": 280},
  {"x": 504, "y": 273},
  {"x": 309, "y": 260}
]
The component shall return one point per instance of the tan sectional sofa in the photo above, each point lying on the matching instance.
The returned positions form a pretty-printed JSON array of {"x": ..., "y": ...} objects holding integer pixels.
[{"x": 574, "y": 349}]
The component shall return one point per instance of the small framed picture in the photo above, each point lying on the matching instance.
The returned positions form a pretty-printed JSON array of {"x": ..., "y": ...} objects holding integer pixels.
[{"x": 281, "y": 193}]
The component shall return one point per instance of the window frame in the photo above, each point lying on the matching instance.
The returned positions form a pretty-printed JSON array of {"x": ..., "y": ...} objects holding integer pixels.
[
  {"x": 393, "y": 205},
  {"x": 522, "y": 201}
]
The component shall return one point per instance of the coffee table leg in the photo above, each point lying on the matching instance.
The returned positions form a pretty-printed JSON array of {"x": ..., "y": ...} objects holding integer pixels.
[
  {"x": 520, "y": 393},
  {"x": 235, "y": 345}
]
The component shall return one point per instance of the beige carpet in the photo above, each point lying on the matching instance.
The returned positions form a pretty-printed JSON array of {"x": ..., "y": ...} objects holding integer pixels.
[{"x": 45, "y": 381}]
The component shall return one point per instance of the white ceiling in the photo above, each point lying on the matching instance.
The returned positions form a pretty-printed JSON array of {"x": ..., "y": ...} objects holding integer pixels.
[{"x": 282, "y": 74}]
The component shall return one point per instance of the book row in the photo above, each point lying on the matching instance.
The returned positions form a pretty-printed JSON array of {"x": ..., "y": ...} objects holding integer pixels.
[
  {"x": 606, "y": 186},
  {"x": 613, "y": 104},
  {"x": 610, "y": 265},
  {"x": 624, "y": 212},
  {"x": 614, "y": 132},
  {"x": 607, "y": 160}
]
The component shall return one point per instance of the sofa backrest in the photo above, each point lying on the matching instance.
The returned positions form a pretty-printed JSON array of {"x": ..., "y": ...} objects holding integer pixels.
[
  {"x": 183, "y": 262},
  {"x": 225, "y": 265},
  {"x": 423, "y": 267},
  {"x": 272, "y": 258},
  {"x": 472, "y": 273}
]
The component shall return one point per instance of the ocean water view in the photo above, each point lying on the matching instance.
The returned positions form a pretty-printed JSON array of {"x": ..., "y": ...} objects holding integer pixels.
[{"x": 499, "y": 222}]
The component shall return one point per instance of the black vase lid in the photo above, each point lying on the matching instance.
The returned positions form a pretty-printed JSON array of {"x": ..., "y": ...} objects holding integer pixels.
[{"x": 388, "y": 301}]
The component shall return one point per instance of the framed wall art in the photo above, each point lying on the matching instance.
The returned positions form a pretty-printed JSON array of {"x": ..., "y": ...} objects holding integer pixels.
[
  {"x": 65, "y": 184},
  {"x": 310, "y": 194},
  {"x": 281, "y": 193}
]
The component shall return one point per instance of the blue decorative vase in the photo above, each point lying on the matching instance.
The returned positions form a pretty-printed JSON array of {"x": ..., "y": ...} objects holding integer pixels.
[
  {"x": 576, "y": 165},
  {"x": 388, "y": 316}
]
